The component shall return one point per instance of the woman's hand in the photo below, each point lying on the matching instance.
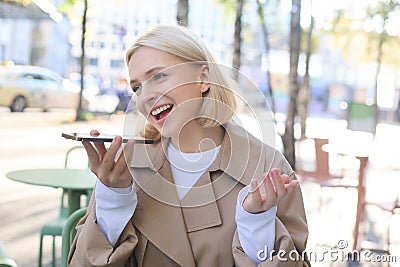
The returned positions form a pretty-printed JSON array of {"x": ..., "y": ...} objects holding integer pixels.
[
  {"x": 272, "y": 189},
  {"x": 102, "y": 161}
]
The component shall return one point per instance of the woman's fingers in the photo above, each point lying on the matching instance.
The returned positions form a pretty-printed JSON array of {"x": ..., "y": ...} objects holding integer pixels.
[
  {"x": 292, "y": 185},
  {"x": 109, "y": 157},
  {"x": 261, "y": 187},
  {"x": 269, "y": 190},
  {"x": 272, "y": 189},
  {"x": 125, "y": 158},
  {"x": 121, "y": 171},
  {"x": 92, "y": 155},
  {"x": 278, "y": 183},
  {"x": 94, "y": 133},
  {"x": 112, "y": 173},
  {"x": 285, "y": 178},
  {"x": 101, "y": 149}
]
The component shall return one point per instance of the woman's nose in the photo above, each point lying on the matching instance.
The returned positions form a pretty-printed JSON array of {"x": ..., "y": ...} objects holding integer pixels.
[{"x": 148, "y": 96}]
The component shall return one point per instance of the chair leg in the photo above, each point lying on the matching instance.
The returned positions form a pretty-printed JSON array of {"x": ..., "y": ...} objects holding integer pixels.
[
  {"x": 54, "y": 251},
  {"x": 388, "y": 232},
  {"x": 40, "y": 251}
]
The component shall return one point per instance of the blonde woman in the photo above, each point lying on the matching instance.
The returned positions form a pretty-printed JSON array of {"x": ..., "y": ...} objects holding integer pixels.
[{"x": 206, "y": 193}]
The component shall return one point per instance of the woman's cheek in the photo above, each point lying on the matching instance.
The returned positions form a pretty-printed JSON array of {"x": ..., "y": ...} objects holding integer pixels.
[{"x": 140, "y": 107}]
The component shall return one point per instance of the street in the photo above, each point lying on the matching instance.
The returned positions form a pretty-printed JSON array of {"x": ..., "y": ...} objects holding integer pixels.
[{"x": 32, "y": 139}]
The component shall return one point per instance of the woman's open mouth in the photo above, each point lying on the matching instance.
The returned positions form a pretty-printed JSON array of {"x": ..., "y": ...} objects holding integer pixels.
[{"x": 161, "y": 112}]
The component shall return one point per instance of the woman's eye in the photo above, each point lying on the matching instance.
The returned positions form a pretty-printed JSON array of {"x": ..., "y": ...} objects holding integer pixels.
[
  {"x": 136, "y": 88},
  {"x": 159, "y": 76}
]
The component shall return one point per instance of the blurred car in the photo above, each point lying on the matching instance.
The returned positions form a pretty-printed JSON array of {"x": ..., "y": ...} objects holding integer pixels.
[{"x": 35, "y": 87}]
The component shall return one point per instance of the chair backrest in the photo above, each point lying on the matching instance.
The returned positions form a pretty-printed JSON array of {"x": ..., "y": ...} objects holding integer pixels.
[
  {"x": 73, "y": 151},
  {"x": 79, "y": 159},
  {"x": 69, "y": 232},
  {"x": 5, "y": 261}
]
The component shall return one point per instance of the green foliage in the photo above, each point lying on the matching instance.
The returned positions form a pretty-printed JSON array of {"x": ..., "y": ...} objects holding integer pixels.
[
  {"x": 67, "y": 7},
  {"x": 82, "y": 115},
  {"x": 347, "y": 29},
  {"x": 229, "y": 7}
]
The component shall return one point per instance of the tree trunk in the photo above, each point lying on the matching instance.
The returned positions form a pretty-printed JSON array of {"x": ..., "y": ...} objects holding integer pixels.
[
  {"x": 237, "y": 39},
  {"x": 304, "y": 94},
  {"x": 378, "y": 70},
  {"x": 82, "y": 62},
  {"x": 295, "y": 38},
  {"x": 183, "y": 13},
  {"x": 264, "y": 27}
]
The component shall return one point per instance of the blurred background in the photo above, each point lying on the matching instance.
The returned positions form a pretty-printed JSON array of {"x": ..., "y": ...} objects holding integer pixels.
[{"x": 324, "y": 68}]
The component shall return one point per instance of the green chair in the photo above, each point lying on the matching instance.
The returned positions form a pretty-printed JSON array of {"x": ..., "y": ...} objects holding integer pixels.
[
  {"x": 5, "y": 261},
  {"x": 68, "y": 234},
  {"x": 55, "y": 226}
]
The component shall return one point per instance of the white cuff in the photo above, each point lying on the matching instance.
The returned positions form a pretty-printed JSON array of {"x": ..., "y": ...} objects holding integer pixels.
[
  {"x": 114, "y": 208},
  {"x": 256, "y": 231}
]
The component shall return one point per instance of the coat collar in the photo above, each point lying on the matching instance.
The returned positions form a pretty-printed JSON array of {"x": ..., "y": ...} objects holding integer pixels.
[{"x": 241, "y": 155}]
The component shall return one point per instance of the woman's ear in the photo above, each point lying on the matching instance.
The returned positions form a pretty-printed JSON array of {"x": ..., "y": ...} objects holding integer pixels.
[{"x": 205, "y": 79}]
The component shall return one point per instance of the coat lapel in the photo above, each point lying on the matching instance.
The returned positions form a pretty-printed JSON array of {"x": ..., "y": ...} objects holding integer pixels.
[
  {"x": 241, "y": 157},
  {"x": 199, "y": 206},
  {"x": 160, "y": 222}
]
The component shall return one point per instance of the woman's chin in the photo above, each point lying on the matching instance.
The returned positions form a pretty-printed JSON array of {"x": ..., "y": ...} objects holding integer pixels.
[{"x": 168, "y": 131}]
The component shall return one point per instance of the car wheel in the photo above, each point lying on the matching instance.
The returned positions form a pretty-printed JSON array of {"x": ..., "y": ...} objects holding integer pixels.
[{"x": 19, "y": 104}]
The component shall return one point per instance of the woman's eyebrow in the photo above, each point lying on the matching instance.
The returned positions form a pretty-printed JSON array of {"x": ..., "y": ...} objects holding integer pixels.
[
  {"x": 147, "y": 74},
  {"x": 152, "y": 70}
]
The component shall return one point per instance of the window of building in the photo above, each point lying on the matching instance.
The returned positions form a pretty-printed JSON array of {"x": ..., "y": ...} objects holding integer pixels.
[
  {"x": 116, "y": 63},
  {"x": 93, "y": 61},
  {"x": 116, "y": 29}
]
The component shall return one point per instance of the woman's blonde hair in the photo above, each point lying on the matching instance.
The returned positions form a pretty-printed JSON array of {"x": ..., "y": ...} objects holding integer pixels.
[{"x": 219, "y": 103}]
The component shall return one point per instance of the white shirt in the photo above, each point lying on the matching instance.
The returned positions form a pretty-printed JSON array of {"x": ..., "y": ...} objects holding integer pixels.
[
  {"x": 115, "y": 206},
  {"x": 187, "y": 168}
]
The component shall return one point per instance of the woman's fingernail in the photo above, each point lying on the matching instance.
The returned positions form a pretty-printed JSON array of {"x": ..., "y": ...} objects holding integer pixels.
[{"x": 117, "y": 140}]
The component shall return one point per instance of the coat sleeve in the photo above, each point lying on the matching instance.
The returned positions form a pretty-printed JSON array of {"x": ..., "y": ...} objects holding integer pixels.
[
  {"x": 291, "y": 231},
  {"x": 91, "y": 247}
]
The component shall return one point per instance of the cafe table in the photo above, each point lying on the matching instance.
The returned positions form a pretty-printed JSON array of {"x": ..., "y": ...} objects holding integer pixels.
[
  {"x": 355, "y": 144},
  {"x": 74, "y": 182}
]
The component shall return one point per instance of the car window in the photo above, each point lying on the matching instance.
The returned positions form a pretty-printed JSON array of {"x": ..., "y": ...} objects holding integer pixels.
[
  {"x": 40, "y": 77},
  {"x": 27, "y": 76},
  {"x": 47, "y": 78}
]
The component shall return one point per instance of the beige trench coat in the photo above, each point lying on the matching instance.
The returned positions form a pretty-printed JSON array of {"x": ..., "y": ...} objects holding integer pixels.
[{"x": 200, "y": 230}]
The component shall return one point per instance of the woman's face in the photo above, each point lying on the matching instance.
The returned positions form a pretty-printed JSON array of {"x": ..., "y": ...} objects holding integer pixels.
[{"x": 168, "y": 89}]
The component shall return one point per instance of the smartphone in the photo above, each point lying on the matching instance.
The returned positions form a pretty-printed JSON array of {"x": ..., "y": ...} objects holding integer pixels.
[{"x": 103, "y": 138}]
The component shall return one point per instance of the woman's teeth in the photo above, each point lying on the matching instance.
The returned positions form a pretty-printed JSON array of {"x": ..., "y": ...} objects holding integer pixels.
[{"x": 160, "y": 109}]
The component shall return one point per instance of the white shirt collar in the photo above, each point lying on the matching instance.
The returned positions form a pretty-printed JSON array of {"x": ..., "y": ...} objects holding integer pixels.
[{"x": 191, "y": 162}]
